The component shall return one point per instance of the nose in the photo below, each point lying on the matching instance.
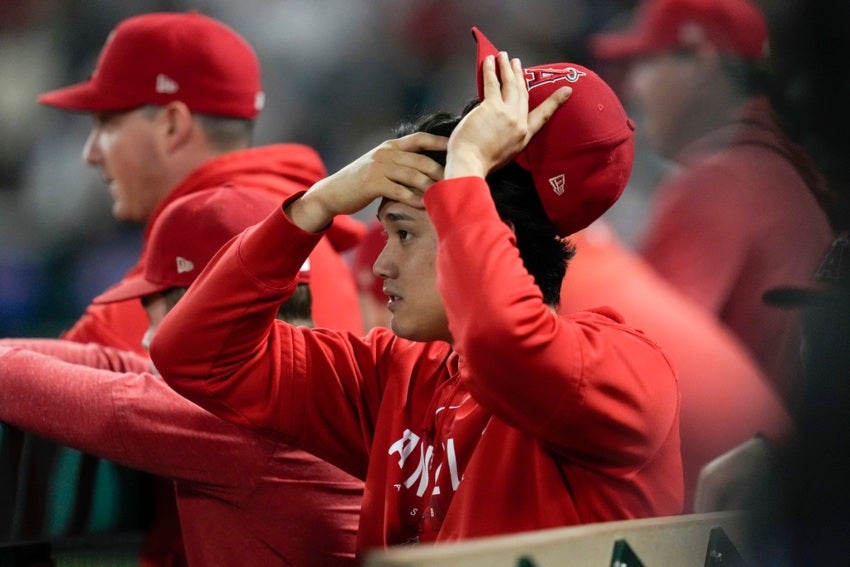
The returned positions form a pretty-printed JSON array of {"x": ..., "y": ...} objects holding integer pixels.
[
  {"x": 384, "y": 267},
  {"x": 91, "y": 149}
]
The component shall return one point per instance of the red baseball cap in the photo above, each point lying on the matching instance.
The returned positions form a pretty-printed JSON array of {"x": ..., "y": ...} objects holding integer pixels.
[
  {"x": 582, "y": 157},
  {"x": 158, "y": 58},
  {"x": 186, "y": 236},
  {"x": 735, "y": 27}
]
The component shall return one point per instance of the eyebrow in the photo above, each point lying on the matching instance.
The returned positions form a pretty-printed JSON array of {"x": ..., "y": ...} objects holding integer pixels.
[{"x": 395, "y": 217}]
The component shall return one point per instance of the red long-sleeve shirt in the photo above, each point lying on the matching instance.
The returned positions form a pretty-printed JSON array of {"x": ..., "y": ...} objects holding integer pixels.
[
  {"x": 532, "y": 420},
  {"x": 243, "y": 499}
]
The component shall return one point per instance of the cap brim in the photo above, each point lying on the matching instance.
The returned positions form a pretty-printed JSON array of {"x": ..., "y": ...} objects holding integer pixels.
[
  {"x": 791, "y": 297},
  {"x": 83, "y": 97},
  {"x": 614, "y": 46},
  {"x": 131, "y": 288}
]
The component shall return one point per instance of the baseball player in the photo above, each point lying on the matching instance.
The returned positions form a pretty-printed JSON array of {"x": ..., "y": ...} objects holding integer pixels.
[
  {"x": 243, "y": 498},
  {"x": 481, "y": 411}
]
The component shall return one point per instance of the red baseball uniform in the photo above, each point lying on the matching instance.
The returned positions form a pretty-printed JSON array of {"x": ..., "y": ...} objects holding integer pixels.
[
  {"x": 243, "y": 499},
  {"x": 531, "y": 420}
]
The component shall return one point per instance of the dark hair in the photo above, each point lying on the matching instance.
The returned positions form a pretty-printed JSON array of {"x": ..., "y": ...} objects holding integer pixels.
[
  {"x": 297, "y": 310},
  {"x": 544, "y": 254}
]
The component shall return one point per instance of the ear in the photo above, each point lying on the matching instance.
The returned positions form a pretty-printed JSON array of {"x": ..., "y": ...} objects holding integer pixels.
[{"x": 179, "y": 125}]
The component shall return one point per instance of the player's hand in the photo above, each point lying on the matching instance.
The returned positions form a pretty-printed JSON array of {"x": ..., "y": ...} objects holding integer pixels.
[
  {"x": 499, "y": 128},
  {"x": 395, "y": 169}
]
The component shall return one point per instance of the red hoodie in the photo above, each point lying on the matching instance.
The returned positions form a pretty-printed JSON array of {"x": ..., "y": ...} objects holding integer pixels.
[
  {"x": 277, "y": 170},
  {"x": 531, "y": 420}
]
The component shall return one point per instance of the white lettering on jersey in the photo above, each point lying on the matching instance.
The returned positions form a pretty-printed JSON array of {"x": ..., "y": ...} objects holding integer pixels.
[
  {"x": 452, "y": 460},
  {"x": 404, "y": 446},
  {"x": 421, "y": 471},
  {"x": 407, "y": 445}
]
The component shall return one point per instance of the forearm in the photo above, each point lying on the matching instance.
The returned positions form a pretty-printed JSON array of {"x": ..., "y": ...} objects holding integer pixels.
[
  {"x": 92, "y": 355},
  {"x": 63, "y": 402}
]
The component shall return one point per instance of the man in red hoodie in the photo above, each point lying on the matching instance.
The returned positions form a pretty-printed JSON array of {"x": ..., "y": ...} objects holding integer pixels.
[
  {"x": 173, "y": 98},
  {"x": 482, "y": 411},
  {"x": 743, "y": 209}
]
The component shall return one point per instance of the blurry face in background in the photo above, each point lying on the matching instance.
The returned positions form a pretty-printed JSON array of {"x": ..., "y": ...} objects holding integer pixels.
[
  {"x": 661, "y": 90},
  {"x": 125, "y": 147},
  {"x": 408, "y": 266}
]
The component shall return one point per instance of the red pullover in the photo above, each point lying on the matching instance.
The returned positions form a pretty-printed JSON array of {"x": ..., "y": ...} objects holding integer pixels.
[
  {"x": 532, "y": 420},
  {"x": 279, "y": 171}
]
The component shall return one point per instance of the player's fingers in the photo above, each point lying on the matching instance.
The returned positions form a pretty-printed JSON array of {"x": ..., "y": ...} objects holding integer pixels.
[
  {"x": 420, "y": 141},
  {"x": 492, "y": 86},
  {"x": 544, "y": 111},
  {"x": 513, "y": 82}
]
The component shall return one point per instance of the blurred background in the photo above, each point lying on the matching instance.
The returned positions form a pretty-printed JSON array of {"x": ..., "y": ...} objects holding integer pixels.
[{"x": 338, "y": 75}]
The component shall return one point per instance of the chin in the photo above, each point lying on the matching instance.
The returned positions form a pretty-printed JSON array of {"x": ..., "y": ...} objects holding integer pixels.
[{"x": 418, "y": 333}]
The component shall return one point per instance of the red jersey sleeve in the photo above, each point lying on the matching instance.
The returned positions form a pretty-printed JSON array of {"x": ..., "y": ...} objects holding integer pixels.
[
  {"x": 92, "y": 355},
  {"x": 132, "y": 419},
  {"x": 585, "y": 384}
]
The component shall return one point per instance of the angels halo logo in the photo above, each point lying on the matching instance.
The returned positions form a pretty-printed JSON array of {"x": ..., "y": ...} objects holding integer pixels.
[{"x": 537, "y": 77}]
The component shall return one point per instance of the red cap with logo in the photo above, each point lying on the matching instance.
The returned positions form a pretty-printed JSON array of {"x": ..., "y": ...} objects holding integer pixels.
[
  {"x": 158, "y": 58},
  {"x": 185, "y": 237},
  {"x": 582, "y": 157},
  {"x": 735, "y": 27}
]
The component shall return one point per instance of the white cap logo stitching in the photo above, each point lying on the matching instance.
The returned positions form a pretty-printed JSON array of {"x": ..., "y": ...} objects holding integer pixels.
[
  {"x": 558, "y": 182},
  {"x": 536, "y": 77},
  {"x": 184, "y": 265},
  {"x": 259, "y": 101},
  {"x": 165, "y": 84}
]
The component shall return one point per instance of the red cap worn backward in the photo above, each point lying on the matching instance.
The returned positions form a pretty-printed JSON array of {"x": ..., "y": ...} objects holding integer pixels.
[
  {"x": 582, "y": 157},
  {"x": 735, "y": 27},
  {"x": 158, "y": 58},
  {"x": 185, "y": 237}
]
